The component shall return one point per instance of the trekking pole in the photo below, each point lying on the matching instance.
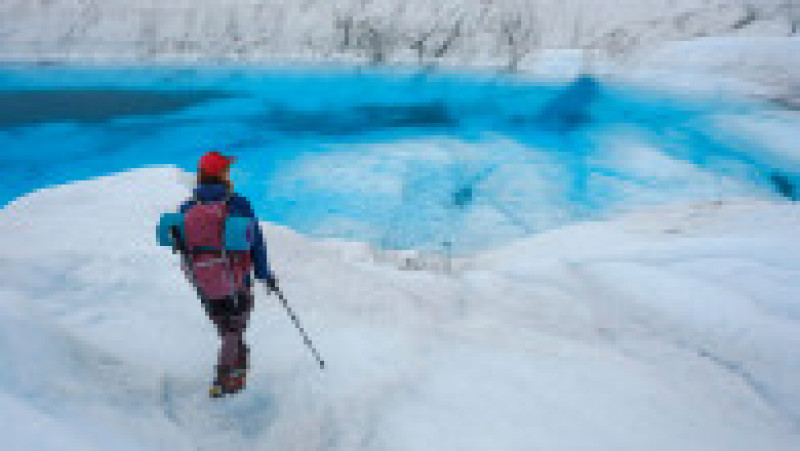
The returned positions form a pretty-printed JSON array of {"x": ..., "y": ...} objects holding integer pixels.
[{"x": 302, "y": 331}]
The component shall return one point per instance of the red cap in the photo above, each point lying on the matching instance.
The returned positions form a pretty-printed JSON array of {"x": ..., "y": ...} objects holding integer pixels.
[{"x": 214, "y": 163}]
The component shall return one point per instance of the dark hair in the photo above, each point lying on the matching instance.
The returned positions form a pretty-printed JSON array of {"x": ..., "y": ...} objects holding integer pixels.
[{"x": 205, "y": 179}]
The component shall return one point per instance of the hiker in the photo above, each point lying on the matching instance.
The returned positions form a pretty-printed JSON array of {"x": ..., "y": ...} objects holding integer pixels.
[{"x": 222, "y": 276}]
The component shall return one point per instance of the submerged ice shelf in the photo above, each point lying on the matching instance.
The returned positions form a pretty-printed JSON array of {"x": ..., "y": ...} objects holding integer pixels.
[{"x": 424, "y": 161}]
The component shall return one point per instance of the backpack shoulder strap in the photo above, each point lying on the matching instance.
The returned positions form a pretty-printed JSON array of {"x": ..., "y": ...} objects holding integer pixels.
[{"x": 227, "y": 200}]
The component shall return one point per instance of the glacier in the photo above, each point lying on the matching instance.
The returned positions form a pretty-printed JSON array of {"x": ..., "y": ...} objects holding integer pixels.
[
  {"x": 507, "y": 224},
  {"x": 671, "y": 323},
  {"x": 502, "y": 33},
  {"x": 674, "y": 327}
]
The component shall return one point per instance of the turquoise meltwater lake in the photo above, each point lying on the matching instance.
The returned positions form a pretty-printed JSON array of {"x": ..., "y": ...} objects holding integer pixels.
[{"x": 403, "y": 160}]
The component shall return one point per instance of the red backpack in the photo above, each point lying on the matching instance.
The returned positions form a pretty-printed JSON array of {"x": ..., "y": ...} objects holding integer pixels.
[{"x": 218, "y": 272}]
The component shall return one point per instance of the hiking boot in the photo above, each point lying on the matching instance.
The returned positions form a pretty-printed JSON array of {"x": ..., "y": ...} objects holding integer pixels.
[
  {"x": 228, "y": 382},
  {"x": 216, "y": 391}
]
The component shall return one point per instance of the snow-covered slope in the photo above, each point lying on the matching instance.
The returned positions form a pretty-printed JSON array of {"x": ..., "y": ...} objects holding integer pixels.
[
  {"x": 503, "y": 31},
  {"x": 670, "y": 329},
  {"x": 765, "y": 67}
]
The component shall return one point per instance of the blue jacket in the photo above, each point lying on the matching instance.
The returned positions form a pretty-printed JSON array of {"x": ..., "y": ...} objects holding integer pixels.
[{"x": 238, "y": 206}]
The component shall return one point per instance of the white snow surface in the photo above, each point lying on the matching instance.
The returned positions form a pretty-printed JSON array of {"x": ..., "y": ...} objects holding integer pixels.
[
  {"x": 762, "y": 67},
  {"x": 503, "y": 31},
  {"x": 673, "y": 328}
]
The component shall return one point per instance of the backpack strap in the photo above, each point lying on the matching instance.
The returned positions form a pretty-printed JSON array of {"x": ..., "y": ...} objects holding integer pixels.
[{"x": 224, "y": 254}]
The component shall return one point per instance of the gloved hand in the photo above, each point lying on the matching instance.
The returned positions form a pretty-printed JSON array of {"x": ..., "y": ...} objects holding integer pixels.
[{"x": 271, "y": 283}]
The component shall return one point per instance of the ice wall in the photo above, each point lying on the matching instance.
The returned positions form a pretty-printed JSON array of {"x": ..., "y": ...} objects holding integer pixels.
[{"x": 502, "y": 32}]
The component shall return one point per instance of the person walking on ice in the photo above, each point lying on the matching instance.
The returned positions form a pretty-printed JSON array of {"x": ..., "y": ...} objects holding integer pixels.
[{"x": 221, "y": 243}]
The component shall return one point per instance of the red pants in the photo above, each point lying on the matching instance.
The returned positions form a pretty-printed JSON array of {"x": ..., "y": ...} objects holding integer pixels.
[{"x": 230, "y": 315}]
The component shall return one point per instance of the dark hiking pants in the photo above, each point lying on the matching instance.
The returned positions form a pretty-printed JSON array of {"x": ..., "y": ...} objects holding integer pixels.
[{"x": 230, "y": 315}]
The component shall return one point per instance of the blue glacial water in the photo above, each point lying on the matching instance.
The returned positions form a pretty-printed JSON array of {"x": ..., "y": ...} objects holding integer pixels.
[{"x": 402, "y": 160}]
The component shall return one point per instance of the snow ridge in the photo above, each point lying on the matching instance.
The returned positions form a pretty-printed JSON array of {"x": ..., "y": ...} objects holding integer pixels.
[{"x": 502, "y": 32}]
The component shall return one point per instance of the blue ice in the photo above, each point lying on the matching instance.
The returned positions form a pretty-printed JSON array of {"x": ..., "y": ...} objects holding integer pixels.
[{"x": 399, "y": 159}]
